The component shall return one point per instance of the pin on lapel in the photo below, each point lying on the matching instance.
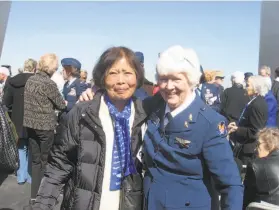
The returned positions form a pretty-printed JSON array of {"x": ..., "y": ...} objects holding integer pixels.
[
  {"x": 183, "y": 143},
  {"x": 186, "y": 124},
  {"x": 190, "y": 117}
]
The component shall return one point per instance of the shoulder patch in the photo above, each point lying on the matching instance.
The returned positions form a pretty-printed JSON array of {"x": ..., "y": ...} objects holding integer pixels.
[{"x": 221, "y": 128}]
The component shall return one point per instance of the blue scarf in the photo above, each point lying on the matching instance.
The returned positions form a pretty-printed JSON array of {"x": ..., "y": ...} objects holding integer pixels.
[{"x": 122, "y": 162}]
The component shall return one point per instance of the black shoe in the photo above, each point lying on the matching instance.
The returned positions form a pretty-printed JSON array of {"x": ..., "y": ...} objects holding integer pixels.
[{"x": 21, "y": 183}]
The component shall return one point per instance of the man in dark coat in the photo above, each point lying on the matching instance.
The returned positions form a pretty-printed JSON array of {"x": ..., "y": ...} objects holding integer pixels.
[
  {"x": 13, "y": 99},
  {"x": 235, "y": 98}
]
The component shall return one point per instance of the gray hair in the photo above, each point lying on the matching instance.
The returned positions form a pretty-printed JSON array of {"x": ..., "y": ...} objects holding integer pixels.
[
  {"x": 270, "y": 136},
  {"x": 259, "y": 85},
  {"x": 238, "y": 78},
  {"x": 180, "y": 60}
]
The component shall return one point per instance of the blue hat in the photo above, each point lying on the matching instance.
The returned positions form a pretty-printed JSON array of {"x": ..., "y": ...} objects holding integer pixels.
[
  {"x": 140, "y": 56},
  {"x": 247, "y": 75},
  {"x": 71, "y": 62}
]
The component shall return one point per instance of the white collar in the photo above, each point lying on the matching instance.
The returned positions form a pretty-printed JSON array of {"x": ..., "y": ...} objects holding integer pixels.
[
  {"x": 182, "y": 107},
  {"x": 71, "y": 81}
]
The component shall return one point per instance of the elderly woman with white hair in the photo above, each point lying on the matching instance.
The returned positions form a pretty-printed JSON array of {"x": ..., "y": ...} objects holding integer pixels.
[
  {"x": 253, "y": 118},
  {"x": 234, "y": 99},
  {"x": 185, "y": 139}
]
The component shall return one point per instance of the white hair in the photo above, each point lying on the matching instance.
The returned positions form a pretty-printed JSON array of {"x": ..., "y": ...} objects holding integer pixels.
[
  {"x": 5, "y": 71},
  {"x": 268, "y": 83},
  {"x": 238, "y": 77},
  {"x": 179, "y": 60},
  {"x": 259, "y": 84}
]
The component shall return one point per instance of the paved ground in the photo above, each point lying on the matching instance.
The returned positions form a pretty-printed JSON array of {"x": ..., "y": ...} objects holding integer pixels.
[{"x": 12, "y": 195}]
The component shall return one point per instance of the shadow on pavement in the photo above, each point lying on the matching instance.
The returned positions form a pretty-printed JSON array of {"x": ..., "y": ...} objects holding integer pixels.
[{"x": 3, "y": 177}]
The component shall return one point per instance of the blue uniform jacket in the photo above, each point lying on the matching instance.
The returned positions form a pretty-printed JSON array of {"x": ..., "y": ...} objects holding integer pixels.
[
  {"x": 178, "y": 157},
  {"x": 272, "y": 109},
  {"x": 71, "y": 93},
  {"x": 211, "y": 95}
]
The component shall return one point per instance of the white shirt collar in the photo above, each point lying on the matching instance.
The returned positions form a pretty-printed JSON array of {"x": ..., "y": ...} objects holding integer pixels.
[
  {"x": 71, "y": 81},
  {"x": 182, "y": 107}
]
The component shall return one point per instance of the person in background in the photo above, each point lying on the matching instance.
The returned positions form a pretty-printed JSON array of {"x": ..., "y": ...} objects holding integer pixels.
[
  {"x": 209, "y": 76},
  {"x": 261, "y": 182},
  {"x": 271, "y": 104},
  {"x": 234, "y": 99},
  {"x": 8, "y": 67},
  {"x": 83, "y": 79},
  {"x": 265, "y": 71},
  {"x": 202, "y": 81},
  {"x": 210, "y": 92},
  {"x": 246, "y": 77},
  {"x": 4, "y": 77},
  {"x": 219, "y": 80},
  {"x": 41, "y": 99},
  {"x": 252, "y": 119},
  {"x": 275, "y": 91},
  {"x": 73, "y": 87},
  {"x": 20, "y": 70},
  {"x": 13, "y": 99},
  {"x": 57, "y": 77},
  {"x": 155, "y": 90},
  {"x": 143, "y": 92}
]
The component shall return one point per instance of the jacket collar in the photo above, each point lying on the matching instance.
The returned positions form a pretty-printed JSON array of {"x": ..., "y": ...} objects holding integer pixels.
[
  {"x": 43, "y": 73},
  {"x": 183, "y": 120},
  {"x": 186, "y": 118},
  {"x": 238, "y": 85}
]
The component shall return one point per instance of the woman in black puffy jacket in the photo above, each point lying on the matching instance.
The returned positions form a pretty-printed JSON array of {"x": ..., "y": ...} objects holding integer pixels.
[{"x": 262, "y": 180}]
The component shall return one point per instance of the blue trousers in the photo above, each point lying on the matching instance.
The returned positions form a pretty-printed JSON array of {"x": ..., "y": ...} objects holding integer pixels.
[{"x": 23, "y": 173}]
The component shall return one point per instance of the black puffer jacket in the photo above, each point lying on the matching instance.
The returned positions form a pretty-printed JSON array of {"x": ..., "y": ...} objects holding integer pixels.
[
  {"x": 262, "y": 180},
  {"x": 77, "y": 160}
]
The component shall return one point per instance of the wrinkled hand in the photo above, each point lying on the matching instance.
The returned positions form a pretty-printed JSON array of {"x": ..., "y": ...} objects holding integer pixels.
[{"x": 86, "y": 95}]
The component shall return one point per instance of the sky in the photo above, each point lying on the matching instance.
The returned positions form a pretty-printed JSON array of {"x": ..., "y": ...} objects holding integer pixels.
[{"x": 225, "y": 35}]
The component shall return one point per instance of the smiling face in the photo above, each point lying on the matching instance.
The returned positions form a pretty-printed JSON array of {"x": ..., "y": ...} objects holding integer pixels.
[
  {"x": 120, "y": 81},
  {"x": 174, "y": 88}
]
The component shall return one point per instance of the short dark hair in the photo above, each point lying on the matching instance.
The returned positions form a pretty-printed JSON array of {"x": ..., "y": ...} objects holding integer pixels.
[{"x": 109, "y": 57}]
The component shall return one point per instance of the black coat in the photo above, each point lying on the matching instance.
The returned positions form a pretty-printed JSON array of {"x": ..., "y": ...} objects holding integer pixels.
[
  {"x": 262, "y": 181},
  {"x": 13, "y": 99},
  {"x": 233, "y": 101},
  {"x": 254, "y": 119},
  {"x": 77, "y": 160}
]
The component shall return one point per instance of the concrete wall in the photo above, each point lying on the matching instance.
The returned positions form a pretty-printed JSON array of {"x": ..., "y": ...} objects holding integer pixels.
[
  {"x": 269, "y": 35},
  {"x": 4, "y": 15}
]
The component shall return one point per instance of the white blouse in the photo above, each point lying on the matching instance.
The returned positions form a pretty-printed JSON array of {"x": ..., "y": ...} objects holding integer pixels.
[{"x": 110, "y": 199}]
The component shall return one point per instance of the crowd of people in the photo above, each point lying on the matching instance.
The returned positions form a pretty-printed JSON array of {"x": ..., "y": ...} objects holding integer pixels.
[{"x": 120, "y": 142}]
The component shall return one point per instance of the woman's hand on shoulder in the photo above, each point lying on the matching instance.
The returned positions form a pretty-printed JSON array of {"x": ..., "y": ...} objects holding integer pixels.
[{"x": 87, "y": 95}]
